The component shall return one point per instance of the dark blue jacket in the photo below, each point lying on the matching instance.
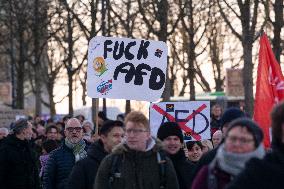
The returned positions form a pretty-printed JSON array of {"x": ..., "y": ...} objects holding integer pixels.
[{"x": 58, "y": 168}]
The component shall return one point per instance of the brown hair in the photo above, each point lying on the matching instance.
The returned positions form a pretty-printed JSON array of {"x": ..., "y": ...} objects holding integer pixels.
[
  {"x": 217, "y": 106},
  {"x": 277, "y": 119},
  {"x": 137, "y": 117}
]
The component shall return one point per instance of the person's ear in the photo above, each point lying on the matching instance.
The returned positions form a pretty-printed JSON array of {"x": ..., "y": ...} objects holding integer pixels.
[{"x": 103, "y": 138}]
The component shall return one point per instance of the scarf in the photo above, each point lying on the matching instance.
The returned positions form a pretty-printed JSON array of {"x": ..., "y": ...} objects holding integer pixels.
[
  {"x": 43, "y": 161},
  {"x": 78, "y": 149},
  {"x": 234, "y": 163}
]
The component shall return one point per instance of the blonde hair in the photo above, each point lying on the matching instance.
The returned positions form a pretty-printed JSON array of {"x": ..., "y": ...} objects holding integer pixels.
[
  {"x": 208, "y": 144},
  {"x": 137, "y": 117}
]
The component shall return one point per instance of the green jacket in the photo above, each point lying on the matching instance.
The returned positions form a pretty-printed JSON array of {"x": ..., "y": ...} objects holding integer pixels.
[{"x": 139, "y": 170}]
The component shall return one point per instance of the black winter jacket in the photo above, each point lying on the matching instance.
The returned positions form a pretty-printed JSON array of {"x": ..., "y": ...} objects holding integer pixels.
[
  {"x": 58, "y": 168},
  {"x": 18, "y": 168},
  {"x": 84, "y": 172},
  {"x": 184, "y": 169},
  {"x": 267, "y": 173}
]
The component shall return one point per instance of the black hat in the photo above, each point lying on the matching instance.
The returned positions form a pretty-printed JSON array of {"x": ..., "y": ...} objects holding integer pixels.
[
  {"x": 231, "y": 114},
  {"x": 49, "y": 145},
  {"x": 19, "y": 125},
  {"x": 102, "y": 115},
  {"x": 251, "y": 126},
  {"x": 109, "y": 124},
  {"x": 169, "y": 129}
]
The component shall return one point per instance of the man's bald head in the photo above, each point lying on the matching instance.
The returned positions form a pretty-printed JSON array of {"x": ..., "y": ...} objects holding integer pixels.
[
  {"x": 217, "y": 138},
  {"x": 73, "y": 122},
  {"x": 73, "y": 130},
  {"x": 3, "y": 132}
]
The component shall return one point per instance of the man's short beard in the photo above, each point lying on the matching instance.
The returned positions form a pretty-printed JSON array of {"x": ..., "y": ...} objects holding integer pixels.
[{"x": 74, "y": 140}]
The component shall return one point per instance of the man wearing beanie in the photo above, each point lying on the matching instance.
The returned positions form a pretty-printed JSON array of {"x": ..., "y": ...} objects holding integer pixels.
[
  {"x": 229, "y": 115},
  {"x": 172, "y": 139},
  {"x": 18, "y": 169},
  {"x": 268, "y": 172}
]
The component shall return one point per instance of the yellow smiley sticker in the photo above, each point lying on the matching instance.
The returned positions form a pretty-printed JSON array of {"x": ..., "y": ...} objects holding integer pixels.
[{"x": 99, "y": 66}]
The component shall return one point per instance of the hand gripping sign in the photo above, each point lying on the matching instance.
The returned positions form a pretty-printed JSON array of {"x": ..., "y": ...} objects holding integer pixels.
[
  {"x": 193, "y": 118},
  {"x": 124, "y": 68}
]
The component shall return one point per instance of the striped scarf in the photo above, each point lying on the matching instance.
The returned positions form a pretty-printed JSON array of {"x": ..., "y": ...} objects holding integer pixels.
[{"x": 78, "y": 149}]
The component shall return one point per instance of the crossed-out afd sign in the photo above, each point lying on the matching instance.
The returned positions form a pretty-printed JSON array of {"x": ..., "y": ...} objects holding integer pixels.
[
  {"x": 193, "y": 118},
  {"x": 124, "y": 68}
]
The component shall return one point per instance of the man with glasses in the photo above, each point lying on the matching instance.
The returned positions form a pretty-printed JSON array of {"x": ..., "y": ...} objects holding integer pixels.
[
  {"x": 138, "y": 162},
  {"x": 18, "y": 167},
  {"x": 84, "y": 172},
  {"x": 62, "y": 160}
]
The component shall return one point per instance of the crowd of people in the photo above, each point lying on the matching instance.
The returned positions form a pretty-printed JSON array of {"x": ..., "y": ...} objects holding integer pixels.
[{"x": 37, "y": 154}]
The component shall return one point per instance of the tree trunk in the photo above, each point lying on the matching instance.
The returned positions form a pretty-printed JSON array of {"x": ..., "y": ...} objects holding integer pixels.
[
  {"x": 20, "y": 71},
  {"x": 70, "y": 71},
  {"x": 191, "y": 54},
  {"x": 51, "y": 101},
  {"x": 36, "y": 64},
  {"x": 70, "y": 94},
  {"x": 38, "y": 109},
  {"x": 84, "y": 88},
  {"x": 104, "y": 34},
  {"x": 127, "y": 106},
  {"x": 277, "y": 25},
  {"x": 247, "y": 76},
  {"x": 162, "y": 36}
]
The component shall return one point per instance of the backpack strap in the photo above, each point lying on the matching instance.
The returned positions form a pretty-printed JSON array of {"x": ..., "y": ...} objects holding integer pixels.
[
  {"x": 115, "y": 169},
  {"x": 161, "y": 158}
]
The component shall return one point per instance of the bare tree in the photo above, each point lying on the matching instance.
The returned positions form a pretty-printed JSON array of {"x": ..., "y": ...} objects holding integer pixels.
[
  {"x": 125, "y": 14},
  {"x": 68, "y": 39},
  {"x": 277, "y": 23},
  {"x": 216, "y": 40},
  {"x": 155, "y": 14},
  {"x": 246, "y": 12},
  {"x": 16, "y": 17},
  {"x": 193, "y": 26}
]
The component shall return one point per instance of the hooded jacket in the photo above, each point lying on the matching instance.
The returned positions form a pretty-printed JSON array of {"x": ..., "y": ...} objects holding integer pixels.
[
  {"x": 18, "y": 169},
  {"x": 84, "y": 172},
  {"x": 138, "y": 170}
]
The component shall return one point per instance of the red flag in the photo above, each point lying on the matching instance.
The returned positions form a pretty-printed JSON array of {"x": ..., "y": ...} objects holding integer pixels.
[{"x": 269, "y": 87}]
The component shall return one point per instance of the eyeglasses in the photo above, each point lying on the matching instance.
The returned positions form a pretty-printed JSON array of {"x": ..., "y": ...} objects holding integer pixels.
[
  {"x": 135, "y": 131},
  {"x": 71, "y": 129},
  {"x": 243, "y": 141}
]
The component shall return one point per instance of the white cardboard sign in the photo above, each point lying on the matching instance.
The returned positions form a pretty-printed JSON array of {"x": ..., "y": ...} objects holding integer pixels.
[
  {"x": 193, "y": 118},
  {"x": 124, "y": 68}
]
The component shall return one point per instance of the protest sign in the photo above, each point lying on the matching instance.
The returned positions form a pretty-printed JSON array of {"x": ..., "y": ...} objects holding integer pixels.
[
  {"x": 193, "y": 118},
  {"x": 7, "y": 116},
  {"x": 123, "y": 68}
]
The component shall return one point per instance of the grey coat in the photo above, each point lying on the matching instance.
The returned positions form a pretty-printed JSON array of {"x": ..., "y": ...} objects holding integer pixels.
[{"x": 139, "y": 170}]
